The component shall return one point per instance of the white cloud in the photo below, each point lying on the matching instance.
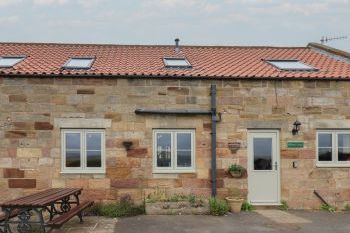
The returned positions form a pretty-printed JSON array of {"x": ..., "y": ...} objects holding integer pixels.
[
  {"x": 83, "y": 3},
  {"x": 8, "y": 2},
  {"x": 9, "y": 19},
  {"x": 49, "y": 2}
]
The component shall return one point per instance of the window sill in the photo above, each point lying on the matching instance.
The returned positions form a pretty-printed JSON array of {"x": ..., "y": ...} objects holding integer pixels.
[
  {"x": 83, "y": 172},
  {"x": 174, "y": 171},
  {"x": 333, "y": 165}
]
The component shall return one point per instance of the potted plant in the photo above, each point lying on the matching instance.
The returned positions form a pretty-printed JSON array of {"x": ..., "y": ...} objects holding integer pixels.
[
  {"x": 235, "y": 200},
  {"x": 236, "y": 170}
]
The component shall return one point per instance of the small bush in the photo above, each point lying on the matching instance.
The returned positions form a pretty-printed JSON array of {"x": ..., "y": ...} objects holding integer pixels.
[
  {"x": 347, "y": 207},
  {"x": 236, "y": 168},
  {"x": 284, "y": 205},
  {"x": 192, "y": 199},
  {"x": 218, "y": 207},
  {"x": 246, "y": 206},
  {"x": 121, "y": 209},
  {"x": 328, "y": 208}
]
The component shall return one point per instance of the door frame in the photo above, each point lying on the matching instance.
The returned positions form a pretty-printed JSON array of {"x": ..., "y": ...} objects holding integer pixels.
[{"x": 278, "y": 160}]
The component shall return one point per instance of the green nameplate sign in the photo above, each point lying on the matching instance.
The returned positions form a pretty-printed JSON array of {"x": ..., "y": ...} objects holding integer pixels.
[{"x": 295, "y": 144}]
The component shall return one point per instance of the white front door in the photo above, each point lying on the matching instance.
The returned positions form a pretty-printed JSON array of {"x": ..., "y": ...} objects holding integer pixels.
[{"x": 263, "y": 167}]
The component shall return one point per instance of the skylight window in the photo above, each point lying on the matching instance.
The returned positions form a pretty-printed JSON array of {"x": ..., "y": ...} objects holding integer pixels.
[
  {"x": 293, "y": 65},
  {"x": 79, "y": 63},
  {"x": 8, "y": 62},
  {"x": 176, "y": 62}
]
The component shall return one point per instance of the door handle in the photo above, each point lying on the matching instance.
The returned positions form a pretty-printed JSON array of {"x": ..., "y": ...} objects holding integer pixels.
[{"x": 276, "y": 166}]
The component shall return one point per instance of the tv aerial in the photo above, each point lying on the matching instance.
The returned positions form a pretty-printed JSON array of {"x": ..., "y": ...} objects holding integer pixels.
[{"x": 326, "y": 39}]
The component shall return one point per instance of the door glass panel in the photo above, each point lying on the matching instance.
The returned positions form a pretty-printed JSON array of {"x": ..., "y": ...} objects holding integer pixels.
[
  {"x": 72, "y": 149},
  {"x": 163, "y": 148},
  {"x": 184, "y": 149},
  {"x": 262, "y": 149}
]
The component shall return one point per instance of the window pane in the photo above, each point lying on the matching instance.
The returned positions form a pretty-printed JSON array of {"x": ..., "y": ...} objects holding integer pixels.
[
  {"x": 93, "y": 159},
  {"x": 72, "y": 158},
  {"x": 163, "y": 141},
  {"x": 262, "y": 153},
  {"x": 344, "y": 140},
  {"x": 184, "y": 159},
  {"x": 291, "y": 65},
  {"x": 163, "y": 149},
  {"x": 324, "y": 140},
  {"x": 324, "y": 154},
  {"x": 72, "y": 141},
  {"x": 9, "y": 61},
  {"x": 176, "y": 62},
  {"x": 93, "y": 141},
  {"x": 344, "y": 154},
  {"x": 183, "y": 141},
  {"x": 79, "y": 63}
]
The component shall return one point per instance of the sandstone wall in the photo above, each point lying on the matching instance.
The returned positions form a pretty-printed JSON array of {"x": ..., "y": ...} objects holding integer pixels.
[{"x": 30, "y": 154}]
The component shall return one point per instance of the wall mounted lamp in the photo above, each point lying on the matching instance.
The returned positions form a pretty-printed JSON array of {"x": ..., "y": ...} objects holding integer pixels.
[{"x": 296, "y": 127}]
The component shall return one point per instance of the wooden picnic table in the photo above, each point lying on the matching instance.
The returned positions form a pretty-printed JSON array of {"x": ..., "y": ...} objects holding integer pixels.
[{"x": 57, "y": 201}]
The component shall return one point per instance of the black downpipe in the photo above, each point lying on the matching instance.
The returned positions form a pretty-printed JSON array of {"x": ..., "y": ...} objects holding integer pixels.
[{"x": 213, "y": 139}]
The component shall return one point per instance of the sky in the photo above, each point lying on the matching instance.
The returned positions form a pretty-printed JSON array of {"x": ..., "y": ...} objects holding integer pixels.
[{"x": 195, "y": 22}]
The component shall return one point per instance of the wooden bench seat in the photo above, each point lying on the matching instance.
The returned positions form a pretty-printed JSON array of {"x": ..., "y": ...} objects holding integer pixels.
[{"x": 75, "y": 211}]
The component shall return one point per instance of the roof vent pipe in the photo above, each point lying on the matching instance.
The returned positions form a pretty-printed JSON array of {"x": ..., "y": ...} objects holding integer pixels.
[{"x": 177, "y": 46}]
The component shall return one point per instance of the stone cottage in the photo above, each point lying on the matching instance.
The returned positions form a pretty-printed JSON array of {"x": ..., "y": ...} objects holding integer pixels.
[{"x": 128, "y": 119}]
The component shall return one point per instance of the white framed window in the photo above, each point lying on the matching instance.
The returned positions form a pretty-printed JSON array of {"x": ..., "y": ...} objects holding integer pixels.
[
  {"x": 333, "y": 148},
  {"x": 291, "y": 65},
  {"x": 83, "y": 151},
  {"x": 173, "y": 62},
  {"x": 173, "y": 151},
  {"x": 79, "y": 63},
  {"x": 10, "y": 61}
]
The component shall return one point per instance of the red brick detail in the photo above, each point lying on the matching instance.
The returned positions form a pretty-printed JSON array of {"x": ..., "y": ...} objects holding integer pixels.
[
  {"x": 207, "y": 126},
  {"x": 290, "y": 154},
  {"x": 307, "y": 154},
  {"x": 126, "y": 183},
  {"x": 17, "y": 98},
  {"x": 43, "y": 126},
  {"x": 219, "y": 183},
  {"x": 137, "y": 153},
  {"x": 15, "y": 134},
  {"x": 22, "y": 183},
  {"x": 13, "y": 173},
  {"x": 85, "y": 91},
  {"x": 22, "y": 125},
  {"x": 12, "y": 152}
]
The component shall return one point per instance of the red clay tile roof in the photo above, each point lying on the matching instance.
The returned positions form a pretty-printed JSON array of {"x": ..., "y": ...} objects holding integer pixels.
[{"x": 143, "y": 60}]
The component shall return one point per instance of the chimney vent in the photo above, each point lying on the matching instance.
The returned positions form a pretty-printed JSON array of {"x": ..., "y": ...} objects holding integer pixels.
[{"x": 177, "y": 46}]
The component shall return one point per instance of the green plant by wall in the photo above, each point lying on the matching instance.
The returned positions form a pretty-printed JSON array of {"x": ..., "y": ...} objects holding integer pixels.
[
  {"x": 112, "y": 210},
  {"x": 236, "y": 168},
  {"x": 218, "y": 207},
  {"x": 328, "y": 208},
  {"x": 246, "y": 206},
  {"x": 284, "y": 205},
  {"x": 347, "y": 207}
]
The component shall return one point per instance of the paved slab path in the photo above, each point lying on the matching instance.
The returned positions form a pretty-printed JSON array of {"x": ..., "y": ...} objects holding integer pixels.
[{"x": 246, "y": 222}]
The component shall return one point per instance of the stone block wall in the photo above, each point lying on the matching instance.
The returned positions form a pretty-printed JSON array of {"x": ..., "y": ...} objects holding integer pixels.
[{"x": 30, "y": 143}]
